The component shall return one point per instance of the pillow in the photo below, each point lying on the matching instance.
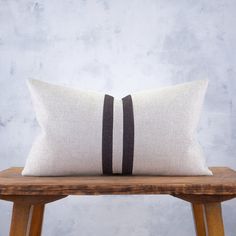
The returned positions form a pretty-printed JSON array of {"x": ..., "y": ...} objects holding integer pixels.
[{"x": 145, "y": 133}]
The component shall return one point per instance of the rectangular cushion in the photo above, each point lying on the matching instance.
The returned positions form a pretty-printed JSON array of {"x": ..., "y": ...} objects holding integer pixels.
[{"x": 146, "y": 133}]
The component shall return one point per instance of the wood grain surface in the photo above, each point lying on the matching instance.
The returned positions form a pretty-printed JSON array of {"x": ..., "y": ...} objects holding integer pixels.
[{"x": 223, "y": 182}]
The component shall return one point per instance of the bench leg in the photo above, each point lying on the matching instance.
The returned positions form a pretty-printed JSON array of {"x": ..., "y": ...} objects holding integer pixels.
[
  {"x": 214, "y": 219},
  {"x": 20, "y": 219},
  {"x": 36, "y": 220},
  {"x": 198, "y": 215},
  {"x": 27, "y": 213},
  {"x": 207, "y": 213},
  {"x": 208, "y": 219},
  {"x": 26, "y": 219}
]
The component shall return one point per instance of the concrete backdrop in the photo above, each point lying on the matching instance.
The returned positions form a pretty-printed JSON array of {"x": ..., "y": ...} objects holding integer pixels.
[{"x": 118, "y": 47}]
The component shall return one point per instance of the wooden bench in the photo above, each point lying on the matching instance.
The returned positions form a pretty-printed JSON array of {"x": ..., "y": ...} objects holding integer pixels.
[{"x": 30, "y": 194}]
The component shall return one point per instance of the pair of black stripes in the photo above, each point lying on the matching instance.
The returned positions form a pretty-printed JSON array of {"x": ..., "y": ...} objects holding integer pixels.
[{"x": 128, "y": 135}]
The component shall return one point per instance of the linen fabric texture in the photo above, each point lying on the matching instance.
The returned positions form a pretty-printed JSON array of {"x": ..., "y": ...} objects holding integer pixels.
[{"x": 146, "y": 133}]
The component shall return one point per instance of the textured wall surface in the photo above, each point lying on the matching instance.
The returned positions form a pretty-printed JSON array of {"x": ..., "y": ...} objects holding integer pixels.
[{"x": 118, "y": 47}]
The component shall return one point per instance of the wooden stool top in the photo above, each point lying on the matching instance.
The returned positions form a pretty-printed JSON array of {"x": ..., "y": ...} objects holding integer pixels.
[{"x": 223, "y": 182}]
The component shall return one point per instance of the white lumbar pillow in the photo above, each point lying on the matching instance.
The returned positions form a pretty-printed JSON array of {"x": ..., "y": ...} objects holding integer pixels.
[{"x": 88, "y": 133}]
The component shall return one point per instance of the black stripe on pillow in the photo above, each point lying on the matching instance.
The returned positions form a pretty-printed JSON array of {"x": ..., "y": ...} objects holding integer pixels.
[
  {"x": 128, "y": 135},
  {"x": 107, "y": 134}
]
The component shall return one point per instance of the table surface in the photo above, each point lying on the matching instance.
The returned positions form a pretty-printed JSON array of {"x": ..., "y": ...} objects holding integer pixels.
[{"x": 223, "y": 182}]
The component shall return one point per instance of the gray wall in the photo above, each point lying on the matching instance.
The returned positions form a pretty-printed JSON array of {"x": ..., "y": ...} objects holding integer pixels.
[{"x": 118, "y": 47}]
